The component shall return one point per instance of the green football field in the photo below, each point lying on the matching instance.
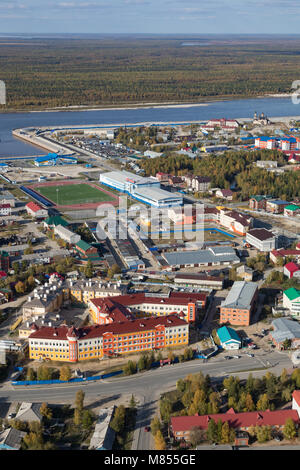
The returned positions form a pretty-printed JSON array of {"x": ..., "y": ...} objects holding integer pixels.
[{"x": 73, "y": 194}]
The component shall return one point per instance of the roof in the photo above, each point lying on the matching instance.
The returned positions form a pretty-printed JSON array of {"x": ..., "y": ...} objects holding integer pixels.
[
  {"x": 29, "y": 412},
  {"x": 83, "y": 245},
  {"x": 96, "y": 331},
  {"x": 228, "y": 334},
  {"x": 223, "y": 255},
  {"x": 283, "y": 252},
  {"x": 235, "y": 420},
  {"x": 278, "y": 202},
  {"x": 292, "y": 267},
  {"x": 103, "y": 437},
  {"x": 296, "y": 396},
  {"x": 261, "y": 234},
  {"x": 12, "y": 438},
  {"x": 33, "y": 206},
  {"x": 56, "y": 220},
  {"x": 285, "y": 329},
  {"x": 292, "y": 207},
  {"x": 240, "y": 295},
  {"x": 292, "y": 293}
]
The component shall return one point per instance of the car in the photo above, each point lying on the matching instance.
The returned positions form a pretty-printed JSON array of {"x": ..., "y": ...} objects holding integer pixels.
[
  {"x": 147, "y": 428},
  {"x": 236, "y": 357},
  {"x": 249, "y": 354},
  {"x": 227, "y": 357}
]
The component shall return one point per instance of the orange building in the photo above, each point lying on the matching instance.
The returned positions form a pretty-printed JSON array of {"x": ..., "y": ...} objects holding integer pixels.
[{"x": 238, "y": 306}]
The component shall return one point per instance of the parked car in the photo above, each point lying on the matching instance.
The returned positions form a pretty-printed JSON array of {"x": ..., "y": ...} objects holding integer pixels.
[{"x": 147, "y": 428}]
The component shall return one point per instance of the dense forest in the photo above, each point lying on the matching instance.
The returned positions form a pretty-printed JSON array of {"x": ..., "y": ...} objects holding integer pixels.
[
  {"x": 48, "y": 72},
  {"x": 232, "y": 167}
]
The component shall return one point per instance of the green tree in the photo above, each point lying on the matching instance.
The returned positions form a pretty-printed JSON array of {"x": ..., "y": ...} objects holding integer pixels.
[
  {"x": 30, "y": 374},
  {"x": 44, "y": 373},
  {"x": 289, "y": 430},
  {"x": 20, "y": 287},
  {"x": 118, "y": 421},
  {"x": 89, "y": 269},
  {"x": 65, "y": 373},
  {"x": 155, "y": 425},
  {"x": 79, "y": 399},
  {"x": 86, "y": 419},
  {"x": 263, "y": 433},
  {"x": 160, "y": 443},
  {"x": 212, "y": 431},
  {"x": 77, "y": 416},
  {"x": 263, "y": 403},
  {"x": 46, "y": 411}
]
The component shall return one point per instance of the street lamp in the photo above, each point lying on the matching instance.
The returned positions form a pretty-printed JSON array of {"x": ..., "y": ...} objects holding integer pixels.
[{"x": 57, "y": 189}]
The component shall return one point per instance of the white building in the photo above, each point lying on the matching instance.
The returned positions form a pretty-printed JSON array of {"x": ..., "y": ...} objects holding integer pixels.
[
  {"x": 262, "y": 239},
  {"x": 35, "y": 210},
  {"x": 234, "y": 221},
  {"x": 67, "y": 235},
  {"x": 291, "y": 301}
]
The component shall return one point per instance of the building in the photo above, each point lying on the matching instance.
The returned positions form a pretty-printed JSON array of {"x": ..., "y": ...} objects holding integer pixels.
[
  {"x": 182, "y": 215},
  {"x": 276, "y": 206},
  {"x": 87, "y": 251},
  {"x": 54, "y": 221},
  {"x": 67, "y": 235},
  {"x": 11, "y": 439},
  {"x": 200, "y": 183},
  {"x": 291, "y": 210},
  {"x": 199, "y": 280},
  {"x": 291, "y": 301},
  {"x": 146, "y": 190},
  {"x": 285, "y": 329},
  {"x": 245, "y": 273},
  {"x": 29, "y": 412},
  {"x": 68, "y": 344},
  {"x": 266, "y": 164},
  {"x": 4, "y": 261},
  {"x": 103, "y": 436},
  {"x": 181, "y": 426},
  {"x": 262, "y": 239},
  {"x": 234, "y": 221},
  {"x": 213, "y": 256},
  {"x": 239, "y": 304},
  {"x": 35, "y": 210},
  {"x": 186, "y": 305},
  {"x": 224, "y": 194},
  {"x": 53, "y": 159},
  {"x": 229, "y": 339},
  {"x": 265, "y": 142},
  {"x": 258, "y": 202},
  {"x": 223, "y": 123},
  {"x": 5, "y": 210},
  {"x": 277, "y": 255},
  {"x": 7, "y": 198},
  {"x": 84, "y": 291},
  {"x": 296, "y": 401},
  {"x": 291, "y": 270}
]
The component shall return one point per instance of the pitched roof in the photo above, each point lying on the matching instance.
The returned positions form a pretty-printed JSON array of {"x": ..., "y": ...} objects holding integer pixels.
[
  {"x": 240, "y": 295},
  {"x": 296, "y": 396},
  {"x": 292, "y": 207},
  {"x": 83, "y": 245},
  {"x": 33, "y": 206},
  {"x": 285, "y": 329},
  {"x": 227, "y": 334},
  {"x": 12, "y": 438},
  {"x": 261, "y": 234},
  {"x": 56, "y": 220},
  {"x": 292, "y": 267},
  {"x": 235, "y": 420},
  {"x": 292, "y": 293}
]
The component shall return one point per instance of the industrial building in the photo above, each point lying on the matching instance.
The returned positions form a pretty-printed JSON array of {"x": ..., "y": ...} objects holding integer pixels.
[
  {"x": 239, "y": 304},
  {"x": 213, "y": 256},
  {"x": 35, "y": 210},
  {"x": 66, "y": 234},
  {"x": 146, "y": 190},
  {"x": 285, "y": 329},
  {"x": 53, "y": 159},
  {"x": 262, "y": 239}
]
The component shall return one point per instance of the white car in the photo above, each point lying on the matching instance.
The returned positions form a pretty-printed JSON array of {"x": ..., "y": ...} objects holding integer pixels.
[{"x": 249, "y": 354}]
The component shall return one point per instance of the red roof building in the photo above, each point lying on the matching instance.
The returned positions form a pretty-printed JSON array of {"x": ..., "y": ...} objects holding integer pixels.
[
  {"x": 35, "y": 210},
  {"x": 291, "y": 269},
  {"x": 182, "y": 425}
]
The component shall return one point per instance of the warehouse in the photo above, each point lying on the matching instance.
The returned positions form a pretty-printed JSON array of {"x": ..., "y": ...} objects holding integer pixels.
[
  {"x": 66, "y": 234},
  {"x": 211, "y": 257},
  {"x": 285, "y": 329},
  {"x": 146, "y": 190},
  {"x": 199, "y": 280}
]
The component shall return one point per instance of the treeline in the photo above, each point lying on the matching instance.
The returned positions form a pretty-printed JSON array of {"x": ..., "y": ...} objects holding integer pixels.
[
  {"x": 224, "y": 169},
  {"x": 63, "y": 72}
]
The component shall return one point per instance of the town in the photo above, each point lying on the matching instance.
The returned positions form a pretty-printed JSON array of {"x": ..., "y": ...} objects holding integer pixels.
[{"x": 131, "y": 250}]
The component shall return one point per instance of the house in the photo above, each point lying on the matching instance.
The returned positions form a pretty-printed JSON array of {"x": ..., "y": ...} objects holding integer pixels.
[
  {"x": 245, "y": 273},
  {"x": 266, "y": 164},
  {"x": 35, "y": 210},
  {"x": 86, "y": 251},
  {"x": 291, "y": 270},
  {"x": 276, "y": 206},
  {"x": 103, "y": 436},
  {"x": 262, "y": 239},
  {"x": 291, "y": 210},
  {"x": 294, "y": 158},
  {"x": 285, "y": 329},
  {"x": 258, "y": 202},
  {"x": 200, "y": 183},
  {"x": 281, "y": 253},
  {"x": 11, "y": 439},
  {"x": 162, "y": 177},
  {"x": 29, "y": 412},
  {"x": 181, "y": 426},
  {"x": 7, "y": 198},
  {"x": 239, "y": 304},
  {"x": 224, "y": 194},
  {"x": 291, "y": 301},
  {"x": 229, "y": 339},
  {"x": 296, "y": 401},
  {"x": 5, "y": 210}
]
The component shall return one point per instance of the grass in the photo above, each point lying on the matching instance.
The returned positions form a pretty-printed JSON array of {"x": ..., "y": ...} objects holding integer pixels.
[{"x": 74, "y": 194}]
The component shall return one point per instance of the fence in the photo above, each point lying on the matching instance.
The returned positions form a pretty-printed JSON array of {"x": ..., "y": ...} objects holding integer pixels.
[{"x": 57, "y": 381}]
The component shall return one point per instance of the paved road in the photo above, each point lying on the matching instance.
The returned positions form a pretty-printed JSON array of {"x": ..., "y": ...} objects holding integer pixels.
[{"x": 148, "y": 386}]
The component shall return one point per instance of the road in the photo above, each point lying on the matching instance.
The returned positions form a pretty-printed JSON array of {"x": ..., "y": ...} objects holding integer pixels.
[{"x": 148, "y": 386}]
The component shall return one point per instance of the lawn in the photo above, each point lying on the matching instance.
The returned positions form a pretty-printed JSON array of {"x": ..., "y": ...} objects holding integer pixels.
[{"x": 74, "y": 194}]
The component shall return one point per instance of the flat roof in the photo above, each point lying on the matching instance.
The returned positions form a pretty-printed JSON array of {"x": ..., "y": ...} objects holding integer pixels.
[
  {"x": 200, "y": 257},
  {"x": 124, "y": 176},
  {"x": 240, "y": 295},
  {"x": 156, "y": 194}
]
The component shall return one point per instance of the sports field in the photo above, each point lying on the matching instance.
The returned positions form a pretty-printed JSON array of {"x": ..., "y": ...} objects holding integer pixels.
[{"x": 70, "y": 194}]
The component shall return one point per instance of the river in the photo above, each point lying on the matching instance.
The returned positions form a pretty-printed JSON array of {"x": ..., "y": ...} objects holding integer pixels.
[{"x": 234, "y": 109}]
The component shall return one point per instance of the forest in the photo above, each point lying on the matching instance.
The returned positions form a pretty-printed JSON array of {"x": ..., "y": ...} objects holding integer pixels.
[
  {"x": 51, "y": 72},
  {"x": 232, "y": 166}
]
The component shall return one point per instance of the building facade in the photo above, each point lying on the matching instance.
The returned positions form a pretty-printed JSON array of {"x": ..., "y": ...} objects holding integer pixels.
[{"x": 239, "y": 305}]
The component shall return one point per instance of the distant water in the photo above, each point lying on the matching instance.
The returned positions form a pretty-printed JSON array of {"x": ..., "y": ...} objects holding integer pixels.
[{"x": 10, "y": 146}]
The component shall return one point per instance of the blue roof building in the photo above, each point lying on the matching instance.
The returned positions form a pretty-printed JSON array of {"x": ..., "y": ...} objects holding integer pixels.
[{"x": 229, "y": 338}]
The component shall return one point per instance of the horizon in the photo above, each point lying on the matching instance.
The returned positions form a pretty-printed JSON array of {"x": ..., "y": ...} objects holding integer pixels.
[{"x": 150, "y": 17}]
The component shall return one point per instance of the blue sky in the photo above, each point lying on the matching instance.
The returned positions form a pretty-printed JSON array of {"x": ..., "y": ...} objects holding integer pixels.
[{"x": 150, "y": 16}]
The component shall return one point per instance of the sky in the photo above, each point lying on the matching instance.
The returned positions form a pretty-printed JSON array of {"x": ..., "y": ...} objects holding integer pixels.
[{"x": 150, "y": 16}]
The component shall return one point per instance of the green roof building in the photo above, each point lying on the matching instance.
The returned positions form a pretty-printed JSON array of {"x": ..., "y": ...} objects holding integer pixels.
[
  {"x": 229, "y": 338},
  {"x": 291, "y": 301},
  {"x": 55, "y": 220}
]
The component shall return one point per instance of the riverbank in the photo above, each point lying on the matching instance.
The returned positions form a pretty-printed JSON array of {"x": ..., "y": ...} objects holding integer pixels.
[{"x": 132, "y": 106}]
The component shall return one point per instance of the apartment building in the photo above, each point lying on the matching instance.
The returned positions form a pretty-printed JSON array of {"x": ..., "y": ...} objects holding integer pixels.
[
  {"x": 68, "y": 344},
  {"x": 84, "y": 291},
  {"x": 239, "y": 304},
  {"x": 187, "y": 305},
  {"x": 236, "y": 222}
]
